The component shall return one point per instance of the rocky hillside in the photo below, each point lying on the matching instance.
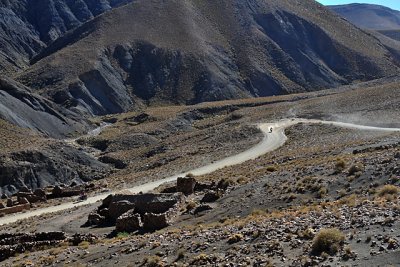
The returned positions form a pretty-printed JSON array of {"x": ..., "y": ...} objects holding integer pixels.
[
  {"x": 368, "y": 16},
  {"x": 27, "y": 109},
  {"x": 155, "y": 52},
  {"x": 28, "y": 26},
  {"x": 86, "y": 57}
]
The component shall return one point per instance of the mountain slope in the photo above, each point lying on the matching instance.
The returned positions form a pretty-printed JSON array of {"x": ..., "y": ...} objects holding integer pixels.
[
  {"x": 154, "y": 52},
  {"x": 368, "y": 16},
  {"x": 28, "y": 26}
]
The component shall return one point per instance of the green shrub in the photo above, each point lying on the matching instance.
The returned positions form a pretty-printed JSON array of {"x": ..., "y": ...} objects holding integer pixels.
[{"x": 122, "y": 235}]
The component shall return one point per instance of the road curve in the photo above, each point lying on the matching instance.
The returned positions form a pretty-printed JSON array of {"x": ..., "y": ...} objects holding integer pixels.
[{"x": 270, "y": 142}]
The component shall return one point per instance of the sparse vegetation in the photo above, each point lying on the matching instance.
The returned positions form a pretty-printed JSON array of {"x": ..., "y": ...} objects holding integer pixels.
[
  {"x": 356, "y": 169},
  {"x": 340, "y": 165},
  {"x": 122, "y": 235},
  {"x": 328, "y": 240},
  {"x": 153, "y": 261},
  {"x": 388, "y": 191},
  {"x": 235, "y": 238}
]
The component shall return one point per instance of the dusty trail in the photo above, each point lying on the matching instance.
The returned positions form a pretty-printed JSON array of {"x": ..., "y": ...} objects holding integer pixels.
[{"x": 270, "y": 142}]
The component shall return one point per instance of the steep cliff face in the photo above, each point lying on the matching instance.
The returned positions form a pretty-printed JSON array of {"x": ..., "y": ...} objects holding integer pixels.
[
  {"x": 152, "y": 52},
  {"x": 28, "y": 26}
]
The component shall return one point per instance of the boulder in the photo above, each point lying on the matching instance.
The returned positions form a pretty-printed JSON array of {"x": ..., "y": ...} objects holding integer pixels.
[
  {"x": 153, "y": 221},
  {"x": 128, "y": 222},
  {"x": 211, "y": 196},
  {"x": 40, "y": 193},
  {"x": 76, "y": 239},
  {"x": 202, "y": 208},
  {"x": 23, "y": 200},
  {"x": 4, "y": 196},
  {"x": 107, "y": 201},
  {"x": 186, "y": 185},
  {"x": 104, "y": 212},
  {"x": 95, "y": 219},
  {"x": 57, "y": 191},
  {"x": 9, "y": 202},
  {"x": 116, "y": 209}
]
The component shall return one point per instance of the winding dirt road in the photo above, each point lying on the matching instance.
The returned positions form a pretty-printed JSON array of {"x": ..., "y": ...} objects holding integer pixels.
[{"x": 271, "y": 141}]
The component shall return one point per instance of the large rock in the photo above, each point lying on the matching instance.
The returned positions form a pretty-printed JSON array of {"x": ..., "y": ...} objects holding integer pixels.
[
  {"x": 128, "y": 222},
  {"x": 57, "y": 191},
  {"x": 23, "y": 200},
  {"x": 153, "y": 221},
  {"x": 186, "y": 185},
  {"x": 211, "y": 196},
  {"x": 40, "y": 193},
  {"x": 95, "y": 219}
]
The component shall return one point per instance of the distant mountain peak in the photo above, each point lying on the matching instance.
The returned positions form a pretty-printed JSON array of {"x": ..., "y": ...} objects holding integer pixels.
[{"x": 369, "y": 16}]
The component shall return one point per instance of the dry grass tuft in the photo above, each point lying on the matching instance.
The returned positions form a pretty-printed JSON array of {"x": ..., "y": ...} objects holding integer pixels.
[{"x": 328, "y": 240}]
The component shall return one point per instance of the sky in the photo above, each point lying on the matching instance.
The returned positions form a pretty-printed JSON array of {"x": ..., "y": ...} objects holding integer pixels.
[{"x": 394, "y": 4}]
